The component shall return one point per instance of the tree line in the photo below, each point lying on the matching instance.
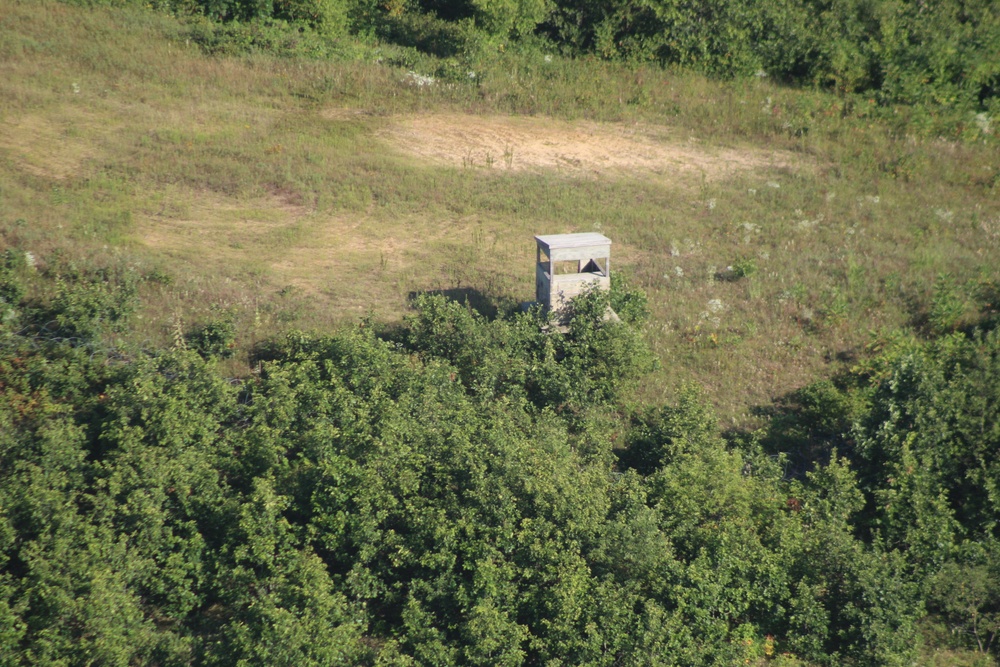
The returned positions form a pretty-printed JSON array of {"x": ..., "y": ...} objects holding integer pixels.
[
  {"x": 464, "y": 490},
  {"x": 939, "y": 55}
]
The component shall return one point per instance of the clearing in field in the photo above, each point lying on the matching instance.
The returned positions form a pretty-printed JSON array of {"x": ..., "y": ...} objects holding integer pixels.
[
  {"x": 578, "y": 149},
  {"x": 388, "y": 255}
]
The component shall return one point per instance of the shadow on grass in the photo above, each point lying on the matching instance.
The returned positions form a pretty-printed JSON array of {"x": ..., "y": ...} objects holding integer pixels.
[
  {"x": 484, "y": 304},
  {"x": 806, "y": 425}
]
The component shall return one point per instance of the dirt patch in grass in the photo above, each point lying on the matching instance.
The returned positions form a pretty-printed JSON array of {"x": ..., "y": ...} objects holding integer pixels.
[{"x": 577, "y": 149}]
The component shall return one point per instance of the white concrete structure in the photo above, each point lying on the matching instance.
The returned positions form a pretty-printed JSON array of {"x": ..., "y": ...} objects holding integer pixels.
[{"x": 569, "y": 264}]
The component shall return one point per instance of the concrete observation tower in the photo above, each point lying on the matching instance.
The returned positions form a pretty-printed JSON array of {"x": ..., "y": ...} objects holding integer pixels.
[{"x": 568, "y": 265}]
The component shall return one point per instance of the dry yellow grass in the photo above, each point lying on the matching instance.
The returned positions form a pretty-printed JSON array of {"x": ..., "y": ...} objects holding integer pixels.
[{"x": 577, "y": 149}]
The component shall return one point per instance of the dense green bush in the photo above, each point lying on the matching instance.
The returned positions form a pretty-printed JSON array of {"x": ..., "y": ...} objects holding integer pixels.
[
  {"x": 629, "y": 303},
  {"x": 88, "y": 303},
  {"x": 920, "y": 424},
  {"x": 939, "y": 57},
  {"x": 445, "y": 493},
  {"x": 965, "y": 593},
  {"x": 272, "y": 36},
  {"x": 429, "y": 34},
  {"x": 216, "y": 338},
  {"x": 11, "y": 286},
  {"x": 941, "y": 54}
]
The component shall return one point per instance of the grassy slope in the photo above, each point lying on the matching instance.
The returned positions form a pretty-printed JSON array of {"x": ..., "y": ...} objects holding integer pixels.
[{"x": 262, "y": 187}]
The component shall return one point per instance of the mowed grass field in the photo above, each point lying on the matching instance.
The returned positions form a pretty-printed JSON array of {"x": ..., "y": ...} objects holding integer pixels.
[{"x": 777, "y": 232}]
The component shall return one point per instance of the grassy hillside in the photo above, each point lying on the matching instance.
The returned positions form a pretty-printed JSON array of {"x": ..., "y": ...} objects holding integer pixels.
[
  {"x": 774, "y": 230},
  {"x": 182, "y": 483}
]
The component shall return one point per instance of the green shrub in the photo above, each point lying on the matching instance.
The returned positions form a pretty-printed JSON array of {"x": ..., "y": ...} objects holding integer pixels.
[
  {"x": 216, "y": 338},
  {"x": 744, "y": 267},
  {"x": 966, "y": 595},
  {"x": 658, "y": 436},
  {"x": 937, "y": 56},
  {"x": 429, "y": 34},
  {"x": 11, "y": 287},
  {"x": 267, "y": 35},
  {"x": 630, "y": 303},
  {"x": 329, "y": 17},
  {"x": 89, "y": 304},
  {"x": 948, "y": 305}
]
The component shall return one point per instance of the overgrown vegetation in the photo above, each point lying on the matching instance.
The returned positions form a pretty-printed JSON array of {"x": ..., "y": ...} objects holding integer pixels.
[
  {"x": 939, "y": 57},
  {"x": 451, "y": 492}
]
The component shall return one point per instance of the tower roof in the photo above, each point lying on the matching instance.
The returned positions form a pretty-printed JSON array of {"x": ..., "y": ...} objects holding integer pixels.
[{"x": 561, "y": 241}]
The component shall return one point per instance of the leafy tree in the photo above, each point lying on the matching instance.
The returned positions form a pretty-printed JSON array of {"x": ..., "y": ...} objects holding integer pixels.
[
  {"x": 447, "y": 493},
  {"x": 965, "y": 593}
]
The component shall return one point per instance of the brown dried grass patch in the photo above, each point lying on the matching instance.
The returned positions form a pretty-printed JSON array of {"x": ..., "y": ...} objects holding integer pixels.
[{"x": 581, "y": 148}]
